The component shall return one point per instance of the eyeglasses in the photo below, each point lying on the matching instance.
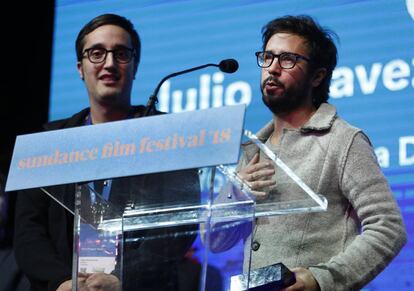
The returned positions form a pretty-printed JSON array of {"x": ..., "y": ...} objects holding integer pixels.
[
  {"x": 98, "y": 55},
  {"x": 286, "y": 60}
]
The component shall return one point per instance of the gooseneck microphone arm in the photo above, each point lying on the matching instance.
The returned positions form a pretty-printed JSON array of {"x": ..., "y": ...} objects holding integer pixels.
[{"x": 228, "y": 66}]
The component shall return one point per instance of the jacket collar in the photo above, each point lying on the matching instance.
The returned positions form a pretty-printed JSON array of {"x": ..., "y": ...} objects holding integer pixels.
[
  {"x": 322, "y": 120},
  {"x": 78, "y": 119}
]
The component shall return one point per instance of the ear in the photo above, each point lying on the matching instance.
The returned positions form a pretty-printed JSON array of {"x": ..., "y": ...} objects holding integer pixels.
[
  {"x": 80, "y": 70},
  {"x": 318, "y": 77}
]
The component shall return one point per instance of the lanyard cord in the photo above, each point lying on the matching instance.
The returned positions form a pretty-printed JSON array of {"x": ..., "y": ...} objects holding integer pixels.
[{"x": 107, "y": 184}]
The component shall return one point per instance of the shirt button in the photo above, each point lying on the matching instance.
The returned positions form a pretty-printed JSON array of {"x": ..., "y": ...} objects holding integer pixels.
[{"x": 255, "y": 246}]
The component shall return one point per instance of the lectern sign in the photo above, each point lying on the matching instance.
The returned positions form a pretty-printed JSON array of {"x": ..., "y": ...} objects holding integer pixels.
[{"x": 125, "y": 148}]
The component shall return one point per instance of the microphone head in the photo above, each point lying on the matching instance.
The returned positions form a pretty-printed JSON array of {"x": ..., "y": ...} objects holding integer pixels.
[{"x": 228, "y": 66}]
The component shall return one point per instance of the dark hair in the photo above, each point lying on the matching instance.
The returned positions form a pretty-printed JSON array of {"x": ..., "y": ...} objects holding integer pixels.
[
  {"x": 106, "y": 19},
  {"x": 322, "y": 49}
]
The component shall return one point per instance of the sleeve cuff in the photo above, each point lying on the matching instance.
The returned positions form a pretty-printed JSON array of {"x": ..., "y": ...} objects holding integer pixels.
[{"x": 323, "y": 277}]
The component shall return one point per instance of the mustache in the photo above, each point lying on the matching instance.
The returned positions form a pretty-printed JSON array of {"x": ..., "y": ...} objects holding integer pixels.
[{"x": 272, "y": 80}]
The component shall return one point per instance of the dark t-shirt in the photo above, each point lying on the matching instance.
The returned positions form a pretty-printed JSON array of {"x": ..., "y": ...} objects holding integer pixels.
[{"x": 6, "y": 214}]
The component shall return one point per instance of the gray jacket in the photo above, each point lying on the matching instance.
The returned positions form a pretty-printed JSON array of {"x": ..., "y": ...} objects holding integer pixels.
[{"x": 362, "y": 230}]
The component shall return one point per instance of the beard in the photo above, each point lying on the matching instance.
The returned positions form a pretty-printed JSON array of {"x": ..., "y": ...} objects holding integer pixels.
[{"x": 287, "y": 102}]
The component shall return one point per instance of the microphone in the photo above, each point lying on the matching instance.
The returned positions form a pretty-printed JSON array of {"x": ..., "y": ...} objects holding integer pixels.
[{"x": 227, "y": 66}]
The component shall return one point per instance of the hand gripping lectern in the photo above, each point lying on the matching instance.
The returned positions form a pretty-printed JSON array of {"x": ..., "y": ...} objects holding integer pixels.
[{"x": 164, "y": 209}]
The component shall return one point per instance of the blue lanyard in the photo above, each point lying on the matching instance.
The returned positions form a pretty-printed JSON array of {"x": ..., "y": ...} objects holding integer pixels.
[
  {"x": 107, "y": 183},
  {"x": 105, "y": 190}
]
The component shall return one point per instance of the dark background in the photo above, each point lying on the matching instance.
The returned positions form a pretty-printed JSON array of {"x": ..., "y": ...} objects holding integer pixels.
[{"x": 26, "y": 48}]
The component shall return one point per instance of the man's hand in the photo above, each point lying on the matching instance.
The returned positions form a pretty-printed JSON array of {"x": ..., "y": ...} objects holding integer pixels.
[
  {"x": 102, "y": 282},
  {"x": 67, "y": 285},
  {"x": 258, "y": 176},
  {"x": 304, "y": 281},
  {"x": 93, "y": 282}
]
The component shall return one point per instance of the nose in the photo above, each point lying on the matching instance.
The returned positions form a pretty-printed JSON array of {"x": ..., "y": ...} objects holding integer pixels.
[
  {"x": 274, "y": 68},
  {"x": 109, "y": 60}
]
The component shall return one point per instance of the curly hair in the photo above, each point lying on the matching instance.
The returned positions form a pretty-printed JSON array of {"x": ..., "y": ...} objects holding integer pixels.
[{"x": 320, "y": 42}]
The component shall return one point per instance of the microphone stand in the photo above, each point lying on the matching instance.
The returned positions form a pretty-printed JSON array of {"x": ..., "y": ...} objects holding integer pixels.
[{"x": 153, "y": 98}]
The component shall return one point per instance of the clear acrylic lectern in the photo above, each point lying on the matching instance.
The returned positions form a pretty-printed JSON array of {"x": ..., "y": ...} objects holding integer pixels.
[{"x": 181, "y": 230}]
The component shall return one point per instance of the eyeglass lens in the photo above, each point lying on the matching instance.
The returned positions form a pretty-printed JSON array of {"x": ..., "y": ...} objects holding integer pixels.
[
  {"x": 98, "y": 55},
  {"x": 285, "y": 60}
]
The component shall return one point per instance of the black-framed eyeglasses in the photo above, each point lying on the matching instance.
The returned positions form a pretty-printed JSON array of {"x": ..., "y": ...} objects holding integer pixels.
[
  {"x": 98, "y": 55},
  {"x": 286, "y": 60}
]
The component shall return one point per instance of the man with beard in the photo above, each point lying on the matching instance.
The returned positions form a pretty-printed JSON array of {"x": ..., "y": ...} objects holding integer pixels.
[{"x": 345, "y": 247}]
